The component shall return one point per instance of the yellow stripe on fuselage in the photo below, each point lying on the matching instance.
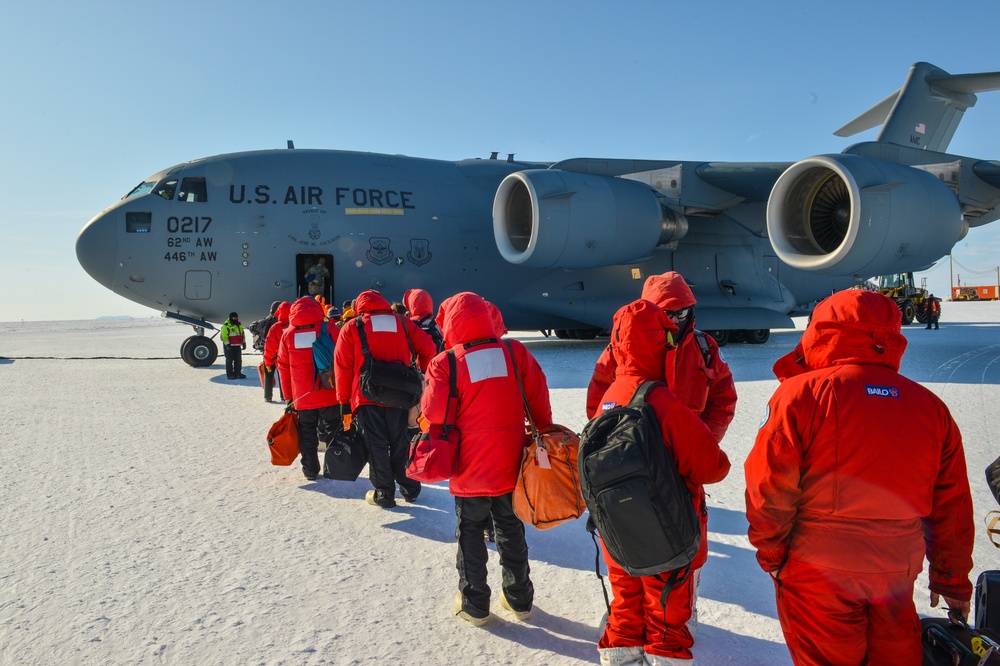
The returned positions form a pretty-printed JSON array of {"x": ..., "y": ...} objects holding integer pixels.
[{"x": 373, "y": 211}]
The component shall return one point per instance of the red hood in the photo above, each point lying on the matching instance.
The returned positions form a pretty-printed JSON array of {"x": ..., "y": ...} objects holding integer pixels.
[
  {"x": 283, "y": 311},
  {"x": 418, "y": 302},
  {"x": 465, "y": 317},
  {"x": 371, "y": 301},
  {"x": 639, "y": 340},
  {"x": 305, "y": 311},
  {"x": 498, "y": 325},
  {"x": 852, "y": 326},
  {"x": 669, "y": 291}
]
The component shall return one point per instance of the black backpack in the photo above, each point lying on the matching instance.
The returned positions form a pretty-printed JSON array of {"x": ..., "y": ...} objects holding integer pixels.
[
  {"x": 430, "y": 327},
  {"x": 638, "y": 501},
  {"x": 259, "y": 329}
]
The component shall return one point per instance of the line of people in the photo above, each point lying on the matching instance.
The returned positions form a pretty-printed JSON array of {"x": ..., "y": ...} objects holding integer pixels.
[{"x": 843, "y": 539}]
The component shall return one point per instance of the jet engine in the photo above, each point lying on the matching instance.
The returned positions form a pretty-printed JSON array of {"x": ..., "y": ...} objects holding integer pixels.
[
  {"x": 853, "y": 215},
  {"x": 550, "y": 218}
]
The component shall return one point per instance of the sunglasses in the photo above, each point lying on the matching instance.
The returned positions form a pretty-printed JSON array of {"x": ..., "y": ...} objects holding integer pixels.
[
  {"x": 679, "y": 315},
  {"x": 992, "y": 519}
]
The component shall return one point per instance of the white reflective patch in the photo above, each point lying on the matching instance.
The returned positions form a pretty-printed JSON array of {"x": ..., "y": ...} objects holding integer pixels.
[
  {"x": 304, "y": 339},
  {"x": 486, "y": 363},
  {"x": 384, "y": 323}
]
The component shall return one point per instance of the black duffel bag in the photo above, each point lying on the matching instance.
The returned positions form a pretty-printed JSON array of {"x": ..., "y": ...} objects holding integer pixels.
[
  {"x": 345, "y": 456},
  {"x": 390, "y": 383}
]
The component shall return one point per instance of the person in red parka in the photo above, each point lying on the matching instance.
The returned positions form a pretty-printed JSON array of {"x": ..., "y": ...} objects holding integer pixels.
[
  {"x": 318, "y": 409},
  {"x": 841, "y": 508},
  {"x": 490, "y": 416},
  {"x": 706, "y": 387},
  {"x": 637, "y": 631},
  {"x": 271, "y": 344},
  {"x": 420, "y": 305},
  {"x": 383, "y": 428}
]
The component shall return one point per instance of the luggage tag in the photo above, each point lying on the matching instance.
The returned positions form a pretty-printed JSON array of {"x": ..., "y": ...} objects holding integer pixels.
[
  {"x": 986, "y": 654},
  {"x": 542, "y": 458}
]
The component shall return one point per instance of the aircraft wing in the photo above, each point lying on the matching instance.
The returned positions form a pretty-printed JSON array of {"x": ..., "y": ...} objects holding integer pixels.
[{"x": 706, "y": 187}]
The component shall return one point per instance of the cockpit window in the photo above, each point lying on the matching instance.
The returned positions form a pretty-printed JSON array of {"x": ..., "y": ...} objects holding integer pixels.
[
  {"x": 193, "y": 189},
  {"x": 166, "y": 188},
  {"x": 140, "y": 189}
]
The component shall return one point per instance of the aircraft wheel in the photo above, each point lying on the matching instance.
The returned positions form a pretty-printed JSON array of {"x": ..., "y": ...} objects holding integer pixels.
[
  {"x": 563, "y": 333},
  {"x": 586, "y": 333},
  {"x": 739, "y": 335},
  {"x": 908, "y": 312},
  {"x": 721, "y": 337},
  {"x": 199, "y": 351},
  {"x": 757, "y": 336}
]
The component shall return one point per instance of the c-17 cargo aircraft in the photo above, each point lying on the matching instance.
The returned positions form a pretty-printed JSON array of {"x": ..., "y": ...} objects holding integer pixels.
[{"x": 557, "y": 246}]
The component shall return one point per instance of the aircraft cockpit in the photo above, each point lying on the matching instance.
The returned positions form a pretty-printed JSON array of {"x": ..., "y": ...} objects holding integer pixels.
[{"x": 192, "y": 189}]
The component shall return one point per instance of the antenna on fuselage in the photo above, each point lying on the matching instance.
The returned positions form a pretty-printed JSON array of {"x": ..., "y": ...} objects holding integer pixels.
[
  {"x": 510, "y": 157},
  {"x": 494, "y": 154},
  {"x": 291, "y": 146}
]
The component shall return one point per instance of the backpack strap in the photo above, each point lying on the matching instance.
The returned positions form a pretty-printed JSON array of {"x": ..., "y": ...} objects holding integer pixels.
[
  {"x": 364, "y": 338},
  {"x": 639, "y": 397},
  {"x": 706, "y": 351},
  {"x": 452, "y": 393},
  {"x": 520, "y": 385},
  {"x": 676, "y": 577}
]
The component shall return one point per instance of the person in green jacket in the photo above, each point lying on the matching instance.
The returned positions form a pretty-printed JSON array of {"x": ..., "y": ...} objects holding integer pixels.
[{"x": 233, "y": 343}]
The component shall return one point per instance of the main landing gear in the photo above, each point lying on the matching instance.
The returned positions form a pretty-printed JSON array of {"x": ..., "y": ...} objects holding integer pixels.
[{"x": 199, "y": 351}]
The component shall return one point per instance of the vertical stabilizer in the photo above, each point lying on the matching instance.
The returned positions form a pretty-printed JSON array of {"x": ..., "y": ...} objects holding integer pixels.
[{"x": 925, "y": 112}]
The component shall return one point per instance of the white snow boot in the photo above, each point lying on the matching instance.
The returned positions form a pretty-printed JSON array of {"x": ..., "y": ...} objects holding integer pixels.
[{"x": 622, "y": 656}]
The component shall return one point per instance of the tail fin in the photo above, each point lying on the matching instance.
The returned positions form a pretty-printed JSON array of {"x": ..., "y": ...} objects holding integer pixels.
[{"x": 925, "y": 112}]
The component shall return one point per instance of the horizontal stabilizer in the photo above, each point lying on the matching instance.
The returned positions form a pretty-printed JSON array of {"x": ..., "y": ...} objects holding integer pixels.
[{"x": 926, "y": 111}]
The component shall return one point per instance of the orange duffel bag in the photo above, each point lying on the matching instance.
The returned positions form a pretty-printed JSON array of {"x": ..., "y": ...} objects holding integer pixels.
[
  {"x": 283, "y": 439},
  {"x": 548, "y": 488}
]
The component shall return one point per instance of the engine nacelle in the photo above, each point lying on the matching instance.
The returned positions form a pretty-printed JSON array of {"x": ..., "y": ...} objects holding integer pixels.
[
  {"x": 549, "y": 218},
  {"x": 853, "y": 215}
]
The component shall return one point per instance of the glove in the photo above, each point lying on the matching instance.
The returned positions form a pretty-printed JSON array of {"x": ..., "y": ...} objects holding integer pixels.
[
  {"x": 289, "y": 406},
  {"x": 244, "y": 346},
  {"x": 348, "y": 419},
  {"x": 269, "y": 368}
]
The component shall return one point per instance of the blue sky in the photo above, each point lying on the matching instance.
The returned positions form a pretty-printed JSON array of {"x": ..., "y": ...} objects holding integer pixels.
[{"x": 97, "y": 96}]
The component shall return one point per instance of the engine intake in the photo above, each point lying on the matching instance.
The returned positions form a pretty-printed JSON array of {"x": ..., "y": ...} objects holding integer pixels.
[
  {"x": 550, "y": 218},
  {"x": 848, "y": 214}
]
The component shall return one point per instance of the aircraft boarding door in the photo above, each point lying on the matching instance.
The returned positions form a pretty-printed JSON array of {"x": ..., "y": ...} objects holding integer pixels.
[{"x": 310, "y": 269}]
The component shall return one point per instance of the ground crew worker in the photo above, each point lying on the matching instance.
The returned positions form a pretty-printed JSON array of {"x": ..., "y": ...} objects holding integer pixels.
[
  {"x": 490, "y": 417},
  {"x": 841, "y": 509},
  {"x": 319, "y": 412},
  {"x": 932, "y": 311},
  {"x": 383, "y": 428},
  {"x": 233, "y": 343},
  {"x": 638, "y": 630}
]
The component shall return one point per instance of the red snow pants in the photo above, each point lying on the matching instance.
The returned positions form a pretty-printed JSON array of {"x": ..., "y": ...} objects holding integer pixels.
[
  {"x": 835, "y": 618},
  {"x": 636, "y": 618}
]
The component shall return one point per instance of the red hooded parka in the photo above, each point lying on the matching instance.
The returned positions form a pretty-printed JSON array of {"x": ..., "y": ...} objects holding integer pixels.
[
  {"x": 273, "y": 340},
  {"x": 639, "y": 344},
  {"x": 490, "y": 414},
  {"x": 708, "y": 391},
  {"x": 386, "y": 333},
  {"x": 834, "y": 486},
  {"x": 295, "y": 358}
]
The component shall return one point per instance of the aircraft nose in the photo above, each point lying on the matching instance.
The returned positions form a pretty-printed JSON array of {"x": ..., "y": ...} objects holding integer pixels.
[{"x": 96, "y": 247}]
